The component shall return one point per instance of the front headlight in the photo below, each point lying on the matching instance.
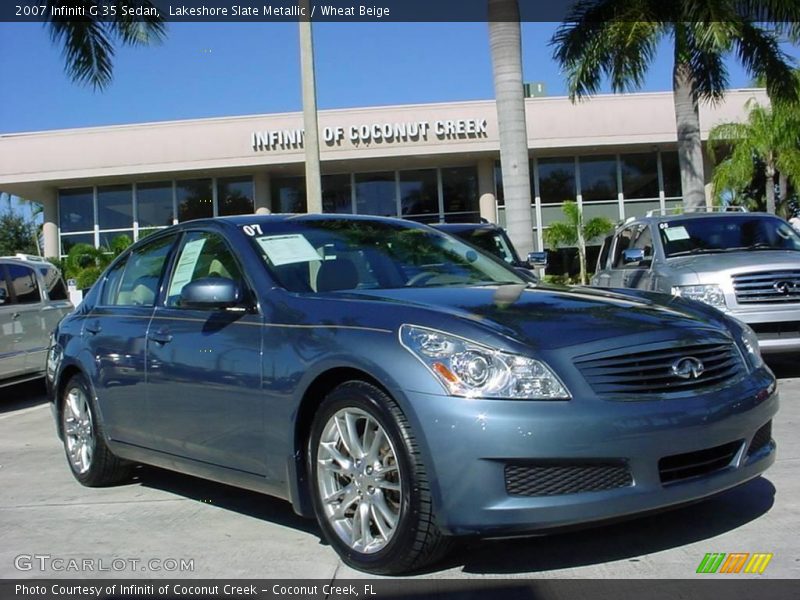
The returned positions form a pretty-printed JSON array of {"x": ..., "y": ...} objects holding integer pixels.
[
  {"x": 469, "y": 369},
  {"x": 710, "y": 294},
  {"x": 750, "y": 343}
]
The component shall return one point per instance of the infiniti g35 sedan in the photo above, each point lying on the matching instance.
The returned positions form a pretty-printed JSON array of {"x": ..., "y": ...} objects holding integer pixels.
[{"x": 401, "y": 386}]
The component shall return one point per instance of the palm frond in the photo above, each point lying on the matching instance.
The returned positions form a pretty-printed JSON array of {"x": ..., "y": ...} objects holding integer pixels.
[
  {"x": 86, "y": 48},
  {"x": 138, "y": 31},
  {"x": 760, "y": 53}
]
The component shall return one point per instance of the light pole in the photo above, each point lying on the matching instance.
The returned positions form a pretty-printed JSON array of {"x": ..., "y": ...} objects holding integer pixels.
[{"x": 311, "y": 136}]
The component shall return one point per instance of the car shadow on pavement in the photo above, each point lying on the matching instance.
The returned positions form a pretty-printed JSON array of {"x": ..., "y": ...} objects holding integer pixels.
[
  {"x": 253, "y": 504},
  {"x": 22, "y": 395},
  {"x": 626, "y": 540}
]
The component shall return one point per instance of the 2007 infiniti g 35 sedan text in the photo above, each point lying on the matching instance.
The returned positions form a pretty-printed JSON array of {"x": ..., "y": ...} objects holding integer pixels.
[{"x": 401, "y": 386}]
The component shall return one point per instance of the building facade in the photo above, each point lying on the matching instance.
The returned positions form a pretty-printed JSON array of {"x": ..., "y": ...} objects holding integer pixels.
[{"x": 614, "y": 154}]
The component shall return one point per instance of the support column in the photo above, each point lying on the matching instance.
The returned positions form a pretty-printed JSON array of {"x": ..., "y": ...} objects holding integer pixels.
[
  {"x": 262, "y": 202},
  {"x": 50, "y": 226},
  {"x": 487, "y": 199}
]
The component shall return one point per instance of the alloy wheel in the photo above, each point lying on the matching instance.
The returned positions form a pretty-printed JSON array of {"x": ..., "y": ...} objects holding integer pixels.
[{"x": 78, "y": 430}]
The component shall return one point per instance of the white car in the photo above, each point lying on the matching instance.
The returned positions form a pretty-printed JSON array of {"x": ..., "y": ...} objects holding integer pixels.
[{"x": 33, "y": 299}]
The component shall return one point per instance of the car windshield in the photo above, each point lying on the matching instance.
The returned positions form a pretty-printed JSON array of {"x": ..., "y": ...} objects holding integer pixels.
[
  {"x": 492, "y": 242},
  {"x": 728, "y": 233},
  {"x": 329, "y": 255}
]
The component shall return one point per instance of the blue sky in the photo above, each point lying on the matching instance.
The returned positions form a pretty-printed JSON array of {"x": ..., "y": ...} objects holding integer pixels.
[{"x": 219, "y": 69}]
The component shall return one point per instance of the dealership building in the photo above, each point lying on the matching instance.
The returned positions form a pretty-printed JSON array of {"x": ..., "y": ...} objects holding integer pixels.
[{"x": 614, "y": 154}]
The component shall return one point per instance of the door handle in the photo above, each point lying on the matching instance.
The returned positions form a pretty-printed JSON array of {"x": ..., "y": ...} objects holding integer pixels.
[
  {"x": 93, "y": 328},
  {"x": 160, "y": 337}
]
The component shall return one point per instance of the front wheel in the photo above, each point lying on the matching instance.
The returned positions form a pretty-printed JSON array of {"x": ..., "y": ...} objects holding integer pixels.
[
  {"x": 90, "y": 460},
  {"x": 371, "y": 492}
]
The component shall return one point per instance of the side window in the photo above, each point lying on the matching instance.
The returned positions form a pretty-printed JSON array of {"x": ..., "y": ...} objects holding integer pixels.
[
  {"x": 138, "y": 283},
  {"x": 53, "y": 284},
  {"x": 644, "y": 241},
  {"x": 4, "y": 286},
  {"x": 602, "y": 260},
  {"x": 24, "y": 284},
  {"x": 203, "y": 254},
  {"x": 623, "y": 242},
  {"x": 111, "y": 285}
]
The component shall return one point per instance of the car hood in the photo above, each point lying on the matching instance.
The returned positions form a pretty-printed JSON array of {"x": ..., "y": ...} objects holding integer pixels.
[
  {"x": 734, "y": 262},
  {"x": 553, "y": 317}
]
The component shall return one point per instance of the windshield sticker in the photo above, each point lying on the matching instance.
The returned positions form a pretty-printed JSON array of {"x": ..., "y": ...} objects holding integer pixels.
[
  {"x": 287, "y": 249},
  {"x": 676, "y": 233},
  {"x": 186, "y": 266}
]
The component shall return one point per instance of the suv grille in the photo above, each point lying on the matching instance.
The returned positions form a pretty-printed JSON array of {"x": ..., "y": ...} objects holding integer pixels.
[
  {"x": 694, "y": 464},
  {"x": 768, "y": 287},
  {"x": 551, "y": 480},
  {"x": 648, "y": 372}
]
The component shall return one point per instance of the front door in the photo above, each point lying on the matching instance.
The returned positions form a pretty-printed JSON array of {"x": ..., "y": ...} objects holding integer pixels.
[{"x": 204, "y": 366}]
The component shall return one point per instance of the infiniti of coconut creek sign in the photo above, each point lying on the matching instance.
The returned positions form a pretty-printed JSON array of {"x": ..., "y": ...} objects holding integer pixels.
[{"x": 374, "y": 133}]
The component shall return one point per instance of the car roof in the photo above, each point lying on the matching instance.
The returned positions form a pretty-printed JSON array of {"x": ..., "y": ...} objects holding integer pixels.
[
  {"x": 695, "y": 216},
  {"x": 462, "y": 227}
]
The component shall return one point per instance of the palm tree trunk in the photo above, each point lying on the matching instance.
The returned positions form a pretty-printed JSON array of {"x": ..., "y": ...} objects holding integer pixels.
[
  {"x": 310, "y": 124},
  {"x": 582, "y": 253},
  {"x": 769, "y": 171},
  {"x": 783, "y": 189},
  {"x": 506, "y": 48},
  {"x": 690, "y": 149}
]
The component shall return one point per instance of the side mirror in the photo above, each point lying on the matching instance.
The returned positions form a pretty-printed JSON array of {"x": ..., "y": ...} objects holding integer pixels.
[
  {"x": 538, "y": 259},
  {"x": 632, "y": 255},
  {"x": 3, "y": 296},
  {"x": 211, "y": 293}
]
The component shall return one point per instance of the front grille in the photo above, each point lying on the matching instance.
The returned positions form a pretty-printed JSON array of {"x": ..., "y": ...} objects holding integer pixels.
[
  {"x": 777, "y": 329},
  {"x": 633, "y": 372},
  {"x": 695, "y": 464},
  {"x": 768, "y": 287},
  {"x": 762, "y": 437},
  {"x": 552, "y": 480}
]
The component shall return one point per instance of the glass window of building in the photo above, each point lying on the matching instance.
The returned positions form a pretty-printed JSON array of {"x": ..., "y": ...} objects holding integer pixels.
[
  {"x": 598, "y": 178},
  {"x": 115, "y": 207},
  {"x": 639, "y": 176},
  {"x": 556, "y": 180},
  {"x": 498, "y": 184},
  {"x": 76, "y": 210},
  {"x": 195, "y": 199},
  {"x": 288, "y": 194},
  {"x": 419, "y": 193},
  {"x": 68, "y": 241},
  {"x": 235, "y": 196},
  {"x": 672, "y": 174},
  {"x": 336, "y": 194},
  {"x": 154, "y": 204},
  {"x": 116, "y": 239},
  {"x": 375, "y": 194},
  {"x": 460, "y": 192}
]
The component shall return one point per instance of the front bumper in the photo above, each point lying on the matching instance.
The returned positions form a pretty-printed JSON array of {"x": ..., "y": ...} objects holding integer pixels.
[
  {"x": 777, "y": 328},
  {"x": 469, "y": 442}
]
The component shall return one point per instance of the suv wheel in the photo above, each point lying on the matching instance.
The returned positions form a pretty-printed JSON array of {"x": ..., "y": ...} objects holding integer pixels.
[{"x": 370, "y": 490}]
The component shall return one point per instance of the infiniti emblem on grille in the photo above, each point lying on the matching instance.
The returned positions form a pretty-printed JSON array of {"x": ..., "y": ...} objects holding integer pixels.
[
  {"x": 688, "y": 368},
  {"x": 784, "y": 287}
]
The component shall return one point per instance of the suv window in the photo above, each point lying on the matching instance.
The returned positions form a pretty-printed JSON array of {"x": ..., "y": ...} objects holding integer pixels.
[
  {"x": 623, "y": 242},
  {"x": 24, "y": 284},
  {"x": 134, "y": 282},
  {"x": 203, "y": 254},
  {"x": 602, "y": 259},
  {"x": 644, "y": 240},
  {"x": 53, "y": 283},
  {"x": 4, "y": 286}
]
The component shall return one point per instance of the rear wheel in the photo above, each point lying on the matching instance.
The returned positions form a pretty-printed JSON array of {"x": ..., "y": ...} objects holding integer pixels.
[
  {"x": 90, "y": 460},
  {"x": 371, "y": 492}
]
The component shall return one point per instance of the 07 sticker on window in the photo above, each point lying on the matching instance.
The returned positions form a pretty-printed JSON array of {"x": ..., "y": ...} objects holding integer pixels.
[
  {"x": 287, "y": 249},
  {"x": 677, "y": 233}
]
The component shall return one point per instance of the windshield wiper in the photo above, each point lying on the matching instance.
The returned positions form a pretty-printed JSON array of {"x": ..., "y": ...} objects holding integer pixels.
[{"x": 696, "y": 251}]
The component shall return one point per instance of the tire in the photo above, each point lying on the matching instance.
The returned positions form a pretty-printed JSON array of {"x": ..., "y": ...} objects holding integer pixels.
[
  {"x": 397, "y": 531},
  {"x": 88, "y": 456}
]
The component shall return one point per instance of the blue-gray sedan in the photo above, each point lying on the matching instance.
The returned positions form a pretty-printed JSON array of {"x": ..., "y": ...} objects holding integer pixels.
[{"x": 400, "y": 385}]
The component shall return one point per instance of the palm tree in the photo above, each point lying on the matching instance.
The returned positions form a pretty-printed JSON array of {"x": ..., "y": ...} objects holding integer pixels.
[
  {"x": 574, "y": 232},
  {"x": 618, "y": 39},
  {"x": 88, "y": 42},
  {"x": 506, "y": 48},
  {"x": 771, "y": 137}
]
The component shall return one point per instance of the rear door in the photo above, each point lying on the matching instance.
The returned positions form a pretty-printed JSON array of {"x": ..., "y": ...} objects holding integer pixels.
[
  {"x": 204, "y": 366},
  {"x": 30, "y": 334},
  {"x": 114, "y": 334},
  {"x": 12, "y": 359},
  {"x": 623, "y": 241}
]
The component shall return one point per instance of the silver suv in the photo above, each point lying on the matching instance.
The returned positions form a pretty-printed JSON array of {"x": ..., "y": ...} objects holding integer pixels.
[
  {"x": 745, "y": 264},
  {"x": 33, "y": 299}
]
